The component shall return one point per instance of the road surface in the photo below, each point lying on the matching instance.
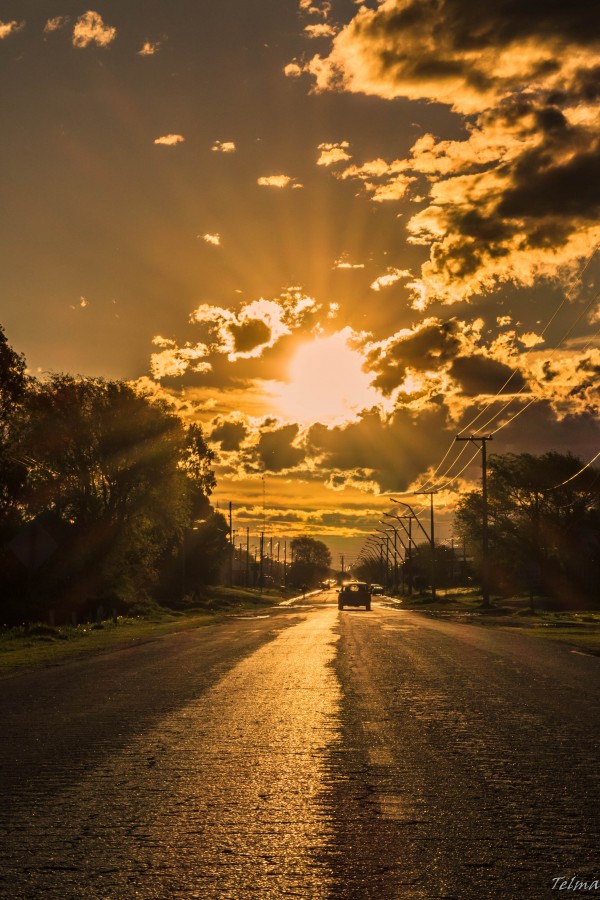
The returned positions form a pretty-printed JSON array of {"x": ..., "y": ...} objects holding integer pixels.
[{"x": 305, "y": 753}]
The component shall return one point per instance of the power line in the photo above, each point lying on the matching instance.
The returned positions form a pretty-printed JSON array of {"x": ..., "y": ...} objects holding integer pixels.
[
  {"x": 533, "y": 400},
  {"x": 573, "y": 477},
  {"x": 567, "y": 297}
]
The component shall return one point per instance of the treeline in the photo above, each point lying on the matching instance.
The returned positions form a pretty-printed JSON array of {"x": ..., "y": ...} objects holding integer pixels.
[
  {"x": 543, "y": 536},
  {"x": 104, "y": 499},
  {"x": 544, "y": 527}
]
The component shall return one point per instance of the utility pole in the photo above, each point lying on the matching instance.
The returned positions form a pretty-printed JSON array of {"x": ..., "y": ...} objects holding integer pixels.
[
  {"x": 247, "y": 556},
  {"x": 407, "y": 550},
  {"x": 231, "y": 545},
  {"x": 483, "y": 439},
  {"x": 411, "y": 541},
  {"x": 395, "y": 531},
  {"x": 432, "y": 541},
  {"x": 262, "y": 554},
  {"x": 342, "y": 562},
  {"x": 285, "y": 563},
  {"x": 386, "y": 537}
]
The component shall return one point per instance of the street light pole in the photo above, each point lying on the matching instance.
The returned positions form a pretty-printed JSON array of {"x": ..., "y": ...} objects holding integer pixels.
[
  {"x": 429, "y": 537},
  {"x": 433, "y": 559},
  {"x": 411, "y": 543}
]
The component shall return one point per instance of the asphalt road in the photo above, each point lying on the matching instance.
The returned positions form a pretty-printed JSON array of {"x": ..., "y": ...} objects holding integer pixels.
[{"x": 305, "y": 753}]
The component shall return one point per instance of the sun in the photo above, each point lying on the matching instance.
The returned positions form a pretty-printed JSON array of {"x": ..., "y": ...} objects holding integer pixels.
[{"x": 326, "y": 382}]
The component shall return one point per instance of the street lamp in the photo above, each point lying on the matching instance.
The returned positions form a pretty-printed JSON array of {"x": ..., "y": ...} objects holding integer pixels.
[{"x": 430, "y": 539}]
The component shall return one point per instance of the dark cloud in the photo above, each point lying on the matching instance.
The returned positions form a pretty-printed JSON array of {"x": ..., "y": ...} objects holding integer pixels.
[
  {"x": 482, "y": 375},
  {"x": 567, "y": 189},
  {"x": 229, "y": 435},
  {"x": 427, "y": 347},
  {"x": 390, "y": 452},
  {"x": 519, "y": 198},
  {"x": 275, "y": 451},
  {"x": 538, "y": 430},
  {"x": 443, "y": 28},
  {"x": 249, "y": 334}
]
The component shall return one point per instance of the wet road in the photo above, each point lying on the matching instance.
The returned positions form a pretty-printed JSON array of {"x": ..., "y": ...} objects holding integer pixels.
[{"x": 307, "y": 753}]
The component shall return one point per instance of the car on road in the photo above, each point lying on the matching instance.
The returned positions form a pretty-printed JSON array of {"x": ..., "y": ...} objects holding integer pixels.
[
  {"x": 377, "y": 589},
  {"x": 354, "y": 593}
]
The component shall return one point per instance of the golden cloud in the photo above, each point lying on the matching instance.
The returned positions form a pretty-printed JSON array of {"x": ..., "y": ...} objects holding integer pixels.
[
  {"x": 90, "y": 29},
  {"x": 7, "y": 28},
  {"x": 170, "y": 140},
  {"x": 344, "y": 263},
  {"x": 149, "y": 48},
  {"x": 322, "y": 29},
  {"x": 333, "y": 153},
  {"x": 391, "y": 277},
  {"x": 223, "y": 147},
  {"x": 518, "y": 199},
  {"x": 278, "y": 181},
  {"x": 56, "y": 24}
]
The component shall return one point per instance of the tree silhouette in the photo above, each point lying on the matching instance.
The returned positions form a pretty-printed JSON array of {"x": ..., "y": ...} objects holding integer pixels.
[
  {"x": 544, "y": 525},
  {"x": 115, "y": 478},
  {"x": 312, "y": 561}
]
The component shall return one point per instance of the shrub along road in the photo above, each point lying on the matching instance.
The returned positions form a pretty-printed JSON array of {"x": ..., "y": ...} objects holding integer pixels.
[{"x": 304, "y": 752}]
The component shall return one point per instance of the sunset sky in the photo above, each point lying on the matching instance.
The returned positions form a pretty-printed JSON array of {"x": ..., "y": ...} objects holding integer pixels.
[{"x": 330, "y": 231}]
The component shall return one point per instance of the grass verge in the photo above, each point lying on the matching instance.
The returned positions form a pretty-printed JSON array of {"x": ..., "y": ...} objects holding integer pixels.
[
  {"x": 579, "y": 628},
  {"x": 40, "y": 644}
]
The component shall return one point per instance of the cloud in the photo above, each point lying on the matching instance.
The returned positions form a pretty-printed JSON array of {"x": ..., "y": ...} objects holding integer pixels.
[
  {"x": 276, "y": 451},
  {"x": 83, "y": 303},
  {"x": 257, "y": 325},
  {"x": 214, "y": 239},
  {"x": 149, "y": 48},
  {"x": 160, "y": 341},
  {"x": 320, "y": 8},
  {"x": 90, "y": 29},
  {"x": 333, "y": 153},
  {"x": 229, "y": 434},
  {"x": 531, "y": 339},
  {"x": 390, "y": 278},
  {"x": 344, "y": 263},
  {"x": 223, "y": 147},
  {"x": 249, "y": 335},
  {"x": 8, "y": 28},
  {"x": 376, "y": 452},
  {"x": 278, "y": 181},
  {"x": 233, "y": 335},
  {"x": 175, "y": 361},
  {"x": 293, "y": 69},
  {"x": 56, "y": 24},
  {"x": 415, "y": 364},
  {"x": 170, "y": 140},
  {"x": 482, "y": 375},
  {"x": 452, "y": 53},
  {"x": 384, "y": 181},
  {"x": 516, "y": 200},
  {"x": 322, "y": 29}
]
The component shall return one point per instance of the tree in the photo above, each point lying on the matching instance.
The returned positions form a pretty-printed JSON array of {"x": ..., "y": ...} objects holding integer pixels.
[
  {"x": 115, "y": 478},
  {"x": 13, "y": 379},
  {"x": 203, "y": 554},
  {"x": 311, "y": 561},
  {"x": 371, "y": 570},
  {"x": 13, "y": 384},
  {"x": 543, "y": 538}
]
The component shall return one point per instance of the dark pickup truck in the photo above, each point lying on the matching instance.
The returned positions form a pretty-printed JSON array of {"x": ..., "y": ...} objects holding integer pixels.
[{"x": 354, "y": 593}]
